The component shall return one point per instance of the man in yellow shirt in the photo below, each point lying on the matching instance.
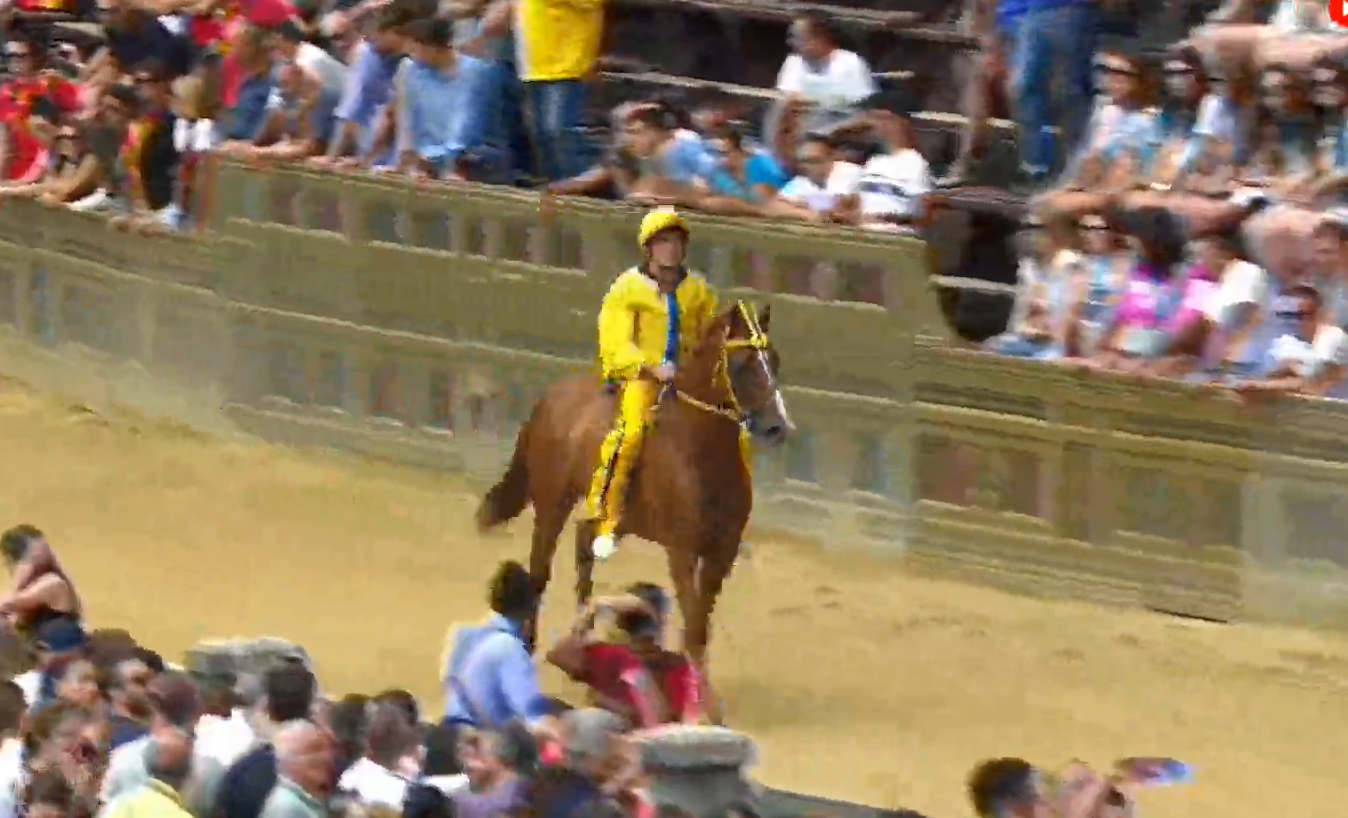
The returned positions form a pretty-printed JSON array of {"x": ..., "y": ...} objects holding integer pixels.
[
  {"x": 556, "y": 45},
  {"x": 650, "y": 314}
]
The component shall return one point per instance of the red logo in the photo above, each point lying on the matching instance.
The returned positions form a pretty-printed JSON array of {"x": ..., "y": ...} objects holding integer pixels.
[{"x": 1338, "y": 12}]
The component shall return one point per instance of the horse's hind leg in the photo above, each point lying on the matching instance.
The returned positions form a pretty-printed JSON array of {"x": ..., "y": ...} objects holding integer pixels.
[{"x": 585, "y": 533}]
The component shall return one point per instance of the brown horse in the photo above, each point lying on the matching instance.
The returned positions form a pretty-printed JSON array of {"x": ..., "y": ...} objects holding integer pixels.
[{"x": 690, "y": 490}]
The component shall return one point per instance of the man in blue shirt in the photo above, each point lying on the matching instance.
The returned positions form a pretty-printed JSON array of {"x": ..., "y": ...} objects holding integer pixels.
[
  {"x": 488, "y": 675},
  {"x": 1050, "y": 45},
  {"x": 447, "y": 104},
  {"x": 369, "y": 86}
]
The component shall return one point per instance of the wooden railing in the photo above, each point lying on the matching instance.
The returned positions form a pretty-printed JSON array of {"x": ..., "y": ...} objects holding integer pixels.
[{"x": 420, "y": 326}]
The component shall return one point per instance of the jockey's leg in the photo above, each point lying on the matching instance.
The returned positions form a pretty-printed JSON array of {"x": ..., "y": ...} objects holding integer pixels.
[{"x": 617, "y": 455}]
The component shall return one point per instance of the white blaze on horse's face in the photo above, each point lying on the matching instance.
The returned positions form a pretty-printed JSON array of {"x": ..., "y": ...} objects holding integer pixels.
[{"x": 778, "y": 402}]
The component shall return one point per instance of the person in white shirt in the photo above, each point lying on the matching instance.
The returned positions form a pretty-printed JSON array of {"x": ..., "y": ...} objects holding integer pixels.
[
  {"x": 12, "y": 709},
  {"x": 894, "y": 183},
  {"x": 228, "y": 739},
  {"x": 1236, "y": 313},
  {"x": 822, "y": 178},
  {"x": 1310, "y": 360},
  {"x": 828, "y": 80},
  {"x": 391, "y": 763}
]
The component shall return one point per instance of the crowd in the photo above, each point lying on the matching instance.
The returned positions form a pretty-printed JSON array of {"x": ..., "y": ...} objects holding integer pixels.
[{"x": 94, "y": 724}]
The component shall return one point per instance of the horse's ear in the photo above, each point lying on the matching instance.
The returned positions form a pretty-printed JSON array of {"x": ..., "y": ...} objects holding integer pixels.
[{"x": 765, "y": 318}]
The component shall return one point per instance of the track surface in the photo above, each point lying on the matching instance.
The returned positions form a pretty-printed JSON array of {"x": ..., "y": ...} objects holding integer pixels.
[{"x": 860, "y": 682}]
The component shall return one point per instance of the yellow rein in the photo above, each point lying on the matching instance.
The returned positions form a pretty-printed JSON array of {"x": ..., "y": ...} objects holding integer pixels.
[{"x": 757, "y": 340}]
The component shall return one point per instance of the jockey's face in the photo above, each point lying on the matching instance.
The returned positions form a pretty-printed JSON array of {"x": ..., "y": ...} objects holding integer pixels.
[{"x": 666, "y": 248}]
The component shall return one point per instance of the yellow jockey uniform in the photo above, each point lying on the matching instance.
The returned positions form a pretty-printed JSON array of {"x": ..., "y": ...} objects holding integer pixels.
[{"x": 640, "y": 328}]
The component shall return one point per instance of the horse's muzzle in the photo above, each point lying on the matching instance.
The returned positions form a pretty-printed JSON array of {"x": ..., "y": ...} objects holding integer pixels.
[{"x": 775, "y": 434}]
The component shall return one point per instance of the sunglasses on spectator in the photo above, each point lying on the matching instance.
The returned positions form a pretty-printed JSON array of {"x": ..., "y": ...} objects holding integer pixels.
[
  {"x": 17, "y": 53},
  {"x": 1179, "y": 69}
]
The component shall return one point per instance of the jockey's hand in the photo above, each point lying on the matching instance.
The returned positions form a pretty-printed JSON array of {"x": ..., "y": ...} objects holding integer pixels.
[{"x": 664, "y": 373}]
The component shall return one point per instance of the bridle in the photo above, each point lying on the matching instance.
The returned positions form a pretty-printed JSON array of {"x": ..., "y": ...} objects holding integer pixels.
[{"x": 758, "y": 342}]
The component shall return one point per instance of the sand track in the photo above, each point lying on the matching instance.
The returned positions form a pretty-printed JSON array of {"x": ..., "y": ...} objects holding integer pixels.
[{"x": 860, "y": 682}]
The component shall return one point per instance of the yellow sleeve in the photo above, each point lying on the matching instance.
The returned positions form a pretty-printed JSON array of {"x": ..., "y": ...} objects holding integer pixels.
[{"x": 619, "y": 354}]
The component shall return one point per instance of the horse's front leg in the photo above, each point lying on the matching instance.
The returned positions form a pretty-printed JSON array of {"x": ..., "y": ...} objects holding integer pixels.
[{"x": 585, "y": 533}]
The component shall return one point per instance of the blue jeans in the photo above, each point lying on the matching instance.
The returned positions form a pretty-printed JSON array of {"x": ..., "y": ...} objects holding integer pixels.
[
  {"x": 554, "y": 109},
  {"x": 1049, "y": 47}
]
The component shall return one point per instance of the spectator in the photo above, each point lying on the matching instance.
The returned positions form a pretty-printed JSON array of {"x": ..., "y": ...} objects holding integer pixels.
[
  {"x": 743, "y": 172},
  {"x": 289, "y": 692},
  {"x": 12, "y": 708},
  {"x": 135, "y": 36},
  {"x": 596, "y": 761},
  {"x": 253, "y": 86},
  {"x": 895, "y": 182},
  {"x": 1092, "y": 305},
  {"x": 632, "y": 675},
  {"x": 129, "y": 713},
  {"x": 489, "y": 678},
  {"x": 1237, "y": 310},
  {"x": 149, "y": 157},
  {"x": 348, "y": 720},
  {"x": 227, "y": 739},
  {"x": 1008, "y": 788},
  {"x": 668, "y": 162},
  {"x": 1152, "y": 296},
  {"x": 493, "y": 788},
  {"x": 1330, "y": 241},
  {"x": 195, "y": 135},
  {"x": 441, "y": 767},
  {"x": 1287, "y": 151},
  {"x": 1121, "y": 131},
  {"x": 305, "y": 760},
  {"x": 309, "y": 83},
  {"x": 824, "y": 80},
  {"x": 1193, "y": 124},
  {"x": 558, "y": 43},
  {"x": 444, "y": 102},
  {"x": 42, "y": 602},
  {"x": 382, "y": 775},
  {"x": 48, "y": 795},
  {"x": 176, "y": 708},
  {"x": 403, "y": 701},
  {"x": 369, "y": 86},
  {"x": 1051, "y": 45},
  {"x": 65, "y": 738},
  {"x": 1331, "y": 96},
  {"x": 32, "y": 104},
  {"x": 822, "y": 179},
  {"x": 1309, "y": 360},
  {"x": 77, "y": 683},
  {"x": 106, "y": 143},
  {"x": 169, "y": 765}
]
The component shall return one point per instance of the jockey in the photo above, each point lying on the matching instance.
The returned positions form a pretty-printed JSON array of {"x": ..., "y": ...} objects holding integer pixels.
[{"x": 649, "y": 314}]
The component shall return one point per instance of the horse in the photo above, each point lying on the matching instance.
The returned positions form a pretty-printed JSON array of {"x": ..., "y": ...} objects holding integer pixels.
[{"x": 690, "y": 490}]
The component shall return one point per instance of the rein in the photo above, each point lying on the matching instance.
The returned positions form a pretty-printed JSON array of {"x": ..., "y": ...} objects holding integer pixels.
[{"x": 731, "y": 410}]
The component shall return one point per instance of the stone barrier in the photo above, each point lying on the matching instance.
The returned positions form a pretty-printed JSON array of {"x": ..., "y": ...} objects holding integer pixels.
[{"x": 420, "y": 326}]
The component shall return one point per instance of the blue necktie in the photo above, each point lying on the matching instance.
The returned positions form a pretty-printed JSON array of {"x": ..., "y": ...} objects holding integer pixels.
[{"x": 672, "y": 331}]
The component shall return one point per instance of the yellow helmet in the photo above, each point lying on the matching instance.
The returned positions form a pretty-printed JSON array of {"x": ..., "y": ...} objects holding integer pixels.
[{"x": 658, "y": 221}]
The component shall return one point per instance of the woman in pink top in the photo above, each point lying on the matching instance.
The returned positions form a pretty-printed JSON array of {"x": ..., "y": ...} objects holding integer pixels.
[
  {"x": 1156, "y": 301},
  {"x": 632, "y": 675}
]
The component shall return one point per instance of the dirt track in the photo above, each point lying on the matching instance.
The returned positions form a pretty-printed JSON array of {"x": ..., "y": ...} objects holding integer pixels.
[{"x": 860, "y": 682}]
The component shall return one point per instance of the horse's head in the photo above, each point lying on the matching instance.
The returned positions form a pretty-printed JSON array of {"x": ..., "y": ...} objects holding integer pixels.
[{"x": 738, "y": 343}]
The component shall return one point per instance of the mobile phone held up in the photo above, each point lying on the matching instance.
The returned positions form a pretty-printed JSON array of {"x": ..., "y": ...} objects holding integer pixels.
[{"x": 1154, "y": 772}]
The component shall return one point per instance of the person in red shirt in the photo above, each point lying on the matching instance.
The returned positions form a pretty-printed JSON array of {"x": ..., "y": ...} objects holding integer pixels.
[
  {"x": 26, "y": 152},
  {"x": 632, "y": 674}
]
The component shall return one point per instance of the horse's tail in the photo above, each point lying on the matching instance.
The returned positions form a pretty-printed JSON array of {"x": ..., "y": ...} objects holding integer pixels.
[{"x": 510, "y": 495}]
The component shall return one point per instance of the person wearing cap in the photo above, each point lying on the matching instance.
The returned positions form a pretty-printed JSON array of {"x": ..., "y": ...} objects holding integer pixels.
[
  {"x": 650, "y": 314},
  {"x": 631, "y": 674},
  {"x": 175, "y": 705}
]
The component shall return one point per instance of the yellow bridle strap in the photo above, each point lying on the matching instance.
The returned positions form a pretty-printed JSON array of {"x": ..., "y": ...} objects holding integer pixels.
[{"x": 757, "y": 340}]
